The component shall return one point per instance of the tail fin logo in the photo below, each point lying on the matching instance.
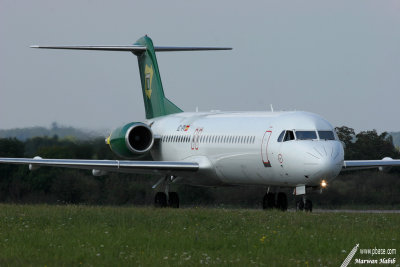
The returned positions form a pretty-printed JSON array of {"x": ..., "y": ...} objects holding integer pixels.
[{"x": 148, "y": 72}]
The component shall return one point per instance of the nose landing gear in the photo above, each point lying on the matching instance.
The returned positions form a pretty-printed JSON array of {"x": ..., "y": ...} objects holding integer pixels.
[{"x": 304, "y": 204}]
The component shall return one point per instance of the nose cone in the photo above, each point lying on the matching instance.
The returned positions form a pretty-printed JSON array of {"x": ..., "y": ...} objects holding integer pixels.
[{"x": 323, "y": 160}]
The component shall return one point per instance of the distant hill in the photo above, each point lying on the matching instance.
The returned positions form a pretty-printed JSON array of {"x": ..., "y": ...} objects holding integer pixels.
[
  {"x": 61, "y": 131},
  {"x": 396, "y": 138}
]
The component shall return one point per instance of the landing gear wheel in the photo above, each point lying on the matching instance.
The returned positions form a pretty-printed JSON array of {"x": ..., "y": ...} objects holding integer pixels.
[
  {"x": 269, "y": 201},
  {"x": 308, "y": 205},
  {"x": 173, "y": 200},
  {"x": 160, "y": 200},
  {"x": 282, "y": 202},
  {"x": 300, "y": 204}
]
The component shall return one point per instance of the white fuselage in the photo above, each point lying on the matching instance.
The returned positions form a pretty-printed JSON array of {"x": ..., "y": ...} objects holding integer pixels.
[{"x": 243, "y": 148}]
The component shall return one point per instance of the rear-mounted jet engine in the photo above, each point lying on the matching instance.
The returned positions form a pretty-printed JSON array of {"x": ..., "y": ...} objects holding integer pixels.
[{"x": 132, "y": 140}]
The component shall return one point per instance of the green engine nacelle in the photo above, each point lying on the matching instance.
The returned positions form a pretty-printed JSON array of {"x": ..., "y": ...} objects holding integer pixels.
[{"x": 131, "y": 140}]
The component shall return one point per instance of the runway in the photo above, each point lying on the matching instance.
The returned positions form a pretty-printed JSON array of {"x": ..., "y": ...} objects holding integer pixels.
[{"x": 355, "y": 211}]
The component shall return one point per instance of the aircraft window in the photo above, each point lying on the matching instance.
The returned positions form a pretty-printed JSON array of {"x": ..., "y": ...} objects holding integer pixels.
[
  {"x": 306, "y": 135},
  {"x": 326, "y": 135},
  {"x": 288, "y": 136},
  {"x": 281, "y": 136}
]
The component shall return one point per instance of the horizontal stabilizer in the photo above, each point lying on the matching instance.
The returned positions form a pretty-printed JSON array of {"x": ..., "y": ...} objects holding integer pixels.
[{"x": 131, "y": 48}]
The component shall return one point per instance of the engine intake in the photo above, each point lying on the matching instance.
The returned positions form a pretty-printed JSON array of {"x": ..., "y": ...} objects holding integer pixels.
[{"x": 131, "y": 140}]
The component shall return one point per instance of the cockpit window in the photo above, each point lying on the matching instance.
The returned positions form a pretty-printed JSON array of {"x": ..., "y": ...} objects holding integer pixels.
[
  {"x": 306, "y": 135},
  {"x": 288, "y": 136},
  {"x": 281, "y": 136},
  {"x": 326, "y": 135}
]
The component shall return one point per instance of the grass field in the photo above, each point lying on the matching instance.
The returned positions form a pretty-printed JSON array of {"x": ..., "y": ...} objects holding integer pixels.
[{"x": 41, "y": 235}]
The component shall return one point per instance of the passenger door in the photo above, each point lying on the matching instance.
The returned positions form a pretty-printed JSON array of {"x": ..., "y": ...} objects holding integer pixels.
[{"x": 264, "y": 149}]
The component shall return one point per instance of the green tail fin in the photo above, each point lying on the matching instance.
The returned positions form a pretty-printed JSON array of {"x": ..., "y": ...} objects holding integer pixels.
[{"x": 155, "y": 102}]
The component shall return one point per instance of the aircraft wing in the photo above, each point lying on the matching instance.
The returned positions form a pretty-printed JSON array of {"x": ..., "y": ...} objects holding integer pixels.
[
  {"x": 125, "y": 166},
  {"x": 349, "y": 165}
]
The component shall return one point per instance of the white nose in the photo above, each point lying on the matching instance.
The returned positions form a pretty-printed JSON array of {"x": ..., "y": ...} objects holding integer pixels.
[{"x": 323, "y": 160}]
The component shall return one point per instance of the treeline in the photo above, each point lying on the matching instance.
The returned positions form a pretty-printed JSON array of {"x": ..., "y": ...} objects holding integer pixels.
[
  {"x": 64, "y": 132},
  {"x": 59, "y": 185}
]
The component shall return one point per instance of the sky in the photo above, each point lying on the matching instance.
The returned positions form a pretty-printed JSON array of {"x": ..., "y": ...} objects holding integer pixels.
[{"x": 340, "y": 59}]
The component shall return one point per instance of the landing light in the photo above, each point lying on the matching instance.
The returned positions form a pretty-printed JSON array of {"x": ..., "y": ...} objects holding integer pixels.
[{"x": 323, "y": 183}]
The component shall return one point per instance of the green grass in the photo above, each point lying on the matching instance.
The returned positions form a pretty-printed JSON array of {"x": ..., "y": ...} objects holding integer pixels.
[{"x": 128, "y": 236}]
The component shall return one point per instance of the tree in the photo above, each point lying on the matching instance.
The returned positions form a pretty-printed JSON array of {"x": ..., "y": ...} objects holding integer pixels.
[{"x": 370, "y": 145}]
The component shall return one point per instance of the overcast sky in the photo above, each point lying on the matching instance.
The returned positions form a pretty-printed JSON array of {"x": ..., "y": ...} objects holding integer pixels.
[{"x": 340, "y": 59}]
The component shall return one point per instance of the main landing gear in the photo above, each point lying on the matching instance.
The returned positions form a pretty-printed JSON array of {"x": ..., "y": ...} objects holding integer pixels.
[
  {"x": 166, "y": 198},
  {"x": 272, "y": 200},
  {"x": 162, "y": 201}
]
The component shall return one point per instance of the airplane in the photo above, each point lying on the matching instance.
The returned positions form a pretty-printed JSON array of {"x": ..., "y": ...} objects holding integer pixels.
[{"x": 292, "y": 149}]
